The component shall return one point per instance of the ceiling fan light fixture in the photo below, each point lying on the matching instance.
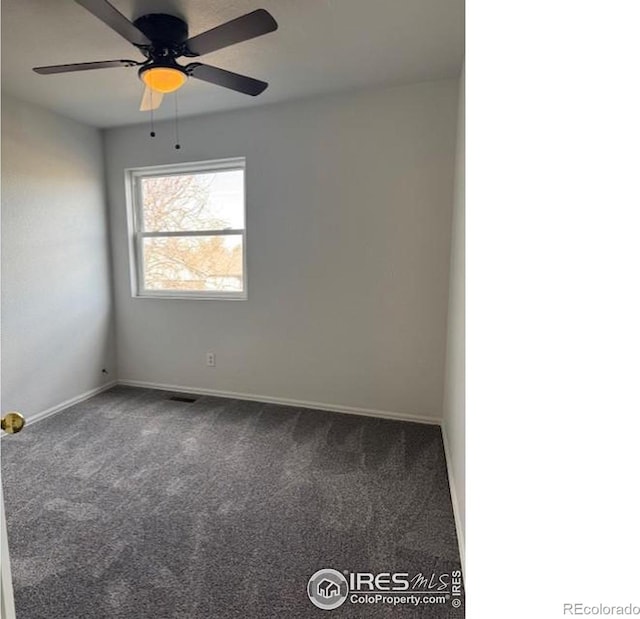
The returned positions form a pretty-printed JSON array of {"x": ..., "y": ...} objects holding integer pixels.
[{"x": 163, "y": 79}]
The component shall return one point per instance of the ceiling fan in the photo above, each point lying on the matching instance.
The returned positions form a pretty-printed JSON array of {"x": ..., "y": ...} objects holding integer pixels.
[{"x": 164, "y": 38}]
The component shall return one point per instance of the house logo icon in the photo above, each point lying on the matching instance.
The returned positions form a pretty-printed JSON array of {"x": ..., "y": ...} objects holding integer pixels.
[{"x": 328, "y": 589}]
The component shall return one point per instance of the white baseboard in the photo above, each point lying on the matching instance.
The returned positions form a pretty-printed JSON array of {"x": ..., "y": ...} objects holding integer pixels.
[
  {"x": 67, "y": 403},
  {"x": 454, "y": 494},
  {"x": 336, "y": 408}
]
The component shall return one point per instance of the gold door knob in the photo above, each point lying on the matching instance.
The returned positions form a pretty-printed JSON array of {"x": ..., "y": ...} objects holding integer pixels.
[{"x": 12, "y": 422}]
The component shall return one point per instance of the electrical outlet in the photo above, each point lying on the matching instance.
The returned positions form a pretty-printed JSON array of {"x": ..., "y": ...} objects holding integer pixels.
[{"x": 211, "y": 359}]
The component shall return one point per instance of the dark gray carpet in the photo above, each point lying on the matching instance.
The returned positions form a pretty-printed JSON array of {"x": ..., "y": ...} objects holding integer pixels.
[{"x": 132, "y": 505}]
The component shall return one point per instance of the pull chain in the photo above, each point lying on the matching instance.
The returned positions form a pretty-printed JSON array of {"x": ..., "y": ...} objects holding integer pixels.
[
  {"x": 153, "y": 131},
  {"x": 176, "y": 122}
]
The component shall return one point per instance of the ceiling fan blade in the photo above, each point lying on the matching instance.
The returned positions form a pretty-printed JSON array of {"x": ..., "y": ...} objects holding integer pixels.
[
  {"x": 85, "y": 66},
  {"x": 151, "y": 100},
  {"x": 243, "y": 28},
  {"x": 220, "y": 77},
  {"x": 115, "y": 20}
]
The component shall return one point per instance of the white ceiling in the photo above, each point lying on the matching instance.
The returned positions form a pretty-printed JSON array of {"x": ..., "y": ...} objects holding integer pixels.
[{"x": 321, "y": 46}]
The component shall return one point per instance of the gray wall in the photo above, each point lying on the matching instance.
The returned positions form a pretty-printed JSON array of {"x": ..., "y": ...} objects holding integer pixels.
[
  {"x": 349, "y": 211},
  {"x": 56, "y": 320},
  {"x": 454, "y": 399}
]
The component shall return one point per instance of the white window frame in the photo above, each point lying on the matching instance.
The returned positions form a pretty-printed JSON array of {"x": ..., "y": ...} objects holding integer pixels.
[{"x": 135, "y": 224}]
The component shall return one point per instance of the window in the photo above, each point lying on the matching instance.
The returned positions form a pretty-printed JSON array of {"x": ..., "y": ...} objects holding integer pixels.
[{"x": 187, "y": 230}]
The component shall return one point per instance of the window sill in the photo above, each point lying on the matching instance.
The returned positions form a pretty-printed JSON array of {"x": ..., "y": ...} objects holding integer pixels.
[{"x": 198, "y": 296}]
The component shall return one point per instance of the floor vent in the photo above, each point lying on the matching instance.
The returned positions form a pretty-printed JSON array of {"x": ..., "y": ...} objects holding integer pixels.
[{"x": 180, "y": 398}]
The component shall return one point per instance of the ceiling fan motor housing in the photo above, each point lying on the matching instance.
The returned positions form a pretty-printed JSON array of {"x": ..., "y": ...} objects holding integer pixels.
[{"x": 164, "y": 31}]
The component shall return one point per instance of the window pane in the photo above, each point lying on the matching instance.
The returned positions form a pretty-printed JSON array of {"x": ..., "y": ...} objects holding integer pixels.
[
  {"x": 199, "y": 201},
  {"x": 199, "y": 263}
]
